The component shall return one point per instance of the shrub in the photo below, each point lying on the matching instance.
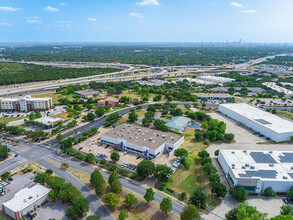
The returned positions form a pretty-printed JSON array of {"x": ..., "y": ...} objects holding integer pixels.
[
  {"x": 269, "y": 192},
  {"x": 239, "y": 193}
]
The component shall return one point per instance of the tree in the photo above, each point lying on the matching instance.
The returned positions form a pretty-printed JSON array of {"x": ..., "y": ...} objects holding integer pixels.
[
  {"x": 190, "y": 213},
  {"x": 269, "y": 192},
  {"x": 3, "y": 151},
  {"x": 199, "y": 198},
  {"x": 100, "y": 112},
  {"x": 151, "y": 108},
  {"x": 239, "y": 193},
  {"x": 65, "y": 165},
  {"x": 49, "y": 172},
  {"x": 132, "y": 117},
  {"x": 40, "y": 178},
  {"x": 180, "y": 152},
  {"x": 59, "y": 137},
  {"x": 149, "y": 195},
  {"x": 229, "y": 137},
  {"x": 166, "y": 205},
  {"x": 286, "y": 210},
  {"x": 162, "y": 171},
  {"x": 113, "y": 176},
  {"x": 97, "y": 180},
  {"x": 214, "y": 178},
  {"x": 70, "y": 213},
  {"x": 116, "y": 187},
  {"x": 145, "y": 168},
  {"x": 81, "y": 205},
  {"x": 220, "y": 189},
  {"x": 111, "y": 199},
  {"x": 93, "y": 217},
  {"x": 5, "y": 176},
  {"x": 130, "y": 200},
  {"x": 122, "y": 215},
  {"x": 244, "y": 211},
  {"x": 209, "y": 168},
  {"x": 53, "y": 195},
  {"x": 38, "y": 114},
  {"x": 90, "y": 116},
  {"x": 198, "y": 135},
  {"x": 290, "y": 193},
  {"x": 183, "y": 195},
  {"x": 115, "y": 157},
  {"x": 232, "y": 214},
  {"x": 203, "y": 154},
  {"x": 89, "y": 157}
]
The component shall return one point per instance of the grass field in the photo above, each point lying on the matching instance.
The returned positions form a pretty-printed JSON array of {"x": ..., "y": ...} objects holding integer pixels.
[
  {"x": 189, "y": 180},
  {"x": 61, "y": 115},
  {"x": 9, "y": 119},
  {"x": 53, "y": 95},
  {"x": 285, "y": 114},
  {"x": 134, "y": 95}
]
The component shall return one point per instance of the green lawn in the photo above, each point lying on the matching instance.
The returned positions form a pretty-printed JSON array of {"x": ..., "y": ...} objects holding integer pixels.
[{"x": 9, "y": 119}]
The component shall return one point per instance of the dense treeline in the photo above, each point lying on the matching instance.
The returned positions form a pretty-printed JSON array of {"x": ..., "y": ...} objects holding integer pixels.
[
  {"x": 143, "y": 54},
  {"x": 11, "y": 73},
  {"x": 280, "y": 60}
]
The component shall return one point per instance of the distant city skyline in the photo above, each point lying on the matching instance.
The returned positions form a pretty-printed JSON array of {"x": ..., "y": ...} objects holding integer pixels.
[{"x": 261, "y": 21}]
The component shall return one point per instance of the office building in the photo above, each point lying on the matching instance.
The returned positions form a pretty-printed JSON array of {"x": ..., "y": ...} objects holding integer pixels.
[
  {"x": 178, "y": 124},
  {"x": 25, "y": 201},
  {"x": 141, "y": 140},
  {"x": 110, "y": 102},
  {"x": 257, "y": 170},
  {"x": 87, "y": 93}
]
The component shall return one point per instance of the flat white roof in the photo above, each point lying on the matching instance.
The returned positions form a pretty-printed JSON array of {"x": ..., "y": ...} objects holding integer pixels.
[
  {"x": 260, "y": 164},
  {"x": 26, "y": 197},
  {"x": 48, "y": 120},
  {"x": 28, "y": 97},
  {"x": 266, "y": 119}
]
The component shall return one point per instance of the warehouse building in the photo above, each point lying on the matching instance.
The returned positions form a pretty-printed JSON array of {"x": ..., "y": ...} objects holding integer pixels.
[
  {"x": 267, "y": 124},
  {"x": 216, "y": 79},
  {"x": 26, "y": 201},
  {"x": 25, "y": 104},
  {"x": 141, "y": 140},
  {"x": 47, "y": 122},
  {"x": 258, "y": 170},
  {"x": 87, "y": 93}
]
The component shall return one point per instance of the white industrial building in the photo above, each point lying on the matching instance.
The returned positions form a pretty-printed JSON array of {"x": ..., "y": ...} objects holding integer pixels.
[
  {"x": 216, "y": 79},
  {"x": 257, "y": 170},
  {"x": 277, "y": 88},
  {"x": 267, "y": 124},
  {"x": 141, "y": 140},
  {"x": 26, "y": 201}
]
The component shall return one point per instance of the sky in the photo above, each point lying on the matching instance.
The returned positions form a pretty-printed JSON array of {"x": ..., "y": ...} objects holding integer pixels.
[{"x": 146, "y": 20}]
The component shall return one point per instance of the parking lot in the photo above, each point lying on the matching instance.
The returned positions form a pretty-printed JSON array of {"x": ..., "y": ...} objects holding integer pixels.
[{"x": 52, "y": 210}]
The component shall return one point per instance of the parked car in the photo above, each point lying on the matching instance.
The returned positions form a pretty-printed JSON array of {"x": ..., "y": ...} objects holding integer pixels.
[
  {"x": 16, "y": 155},
  {"x": 107, "y": 146},
  {"x": 10, "y": 178},
  {"x": 138, "y": 157},
  {"x": 80, "y": 148},
  {"x": 134, "y": 168},
  {"x": 285, "y": 201}
]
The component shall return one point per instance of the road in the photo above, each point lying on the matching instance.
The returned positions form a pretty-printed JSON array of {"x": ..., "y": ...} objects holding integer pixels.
[{"x": 40, "y": 152}]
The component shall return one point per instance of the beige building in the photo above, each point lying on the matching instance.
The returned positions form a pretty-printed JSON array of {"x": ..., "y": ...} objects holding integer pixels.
[
  {"x": 108, "y": 102},
  {"x": 26, "y": 201},
  {"x": 25, "y": 104}
]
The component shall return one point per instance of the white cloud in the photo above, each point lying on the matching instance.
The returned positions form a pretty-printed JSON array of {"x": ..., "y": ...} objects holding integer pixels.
[
  {"x": 236, "y": 4},
  {"x": 4, "y": 23},
  {"x": 33, "y": 21},
  {"x": 137, "y": 15},
  {"x": 5, "y": 8},
  {"x": 249, "y": 11},
  {"x": 148, "y": 2},
  {"x": 92, "y": 19},
  {"x": 63, "y": 4},
  {"x": 49, "y": 8}
]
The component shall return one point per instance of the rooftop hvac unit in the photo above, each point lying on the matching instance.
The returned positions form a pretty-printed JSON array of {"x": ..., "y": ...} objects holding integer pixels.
[
  {"x": 233, "y": 152},
  {"x": 243, "y": 167},
  {"x": 124, "y": 128},
  {"x": 158, "y": 134},
  {"x": 115, "y": 133},
  {"x": 252, "y": 167},
  {"x": 130, "y": 137},
  {"x": 285, "y": 177},
  {"x": 139, "y": 130},
  {"x": 233, "y": 166},
  {"x": 150, "y": 139},
  {"x": 245, "y": 151},
  {"x": 121, "y": 130},
  {"x": 270, "y": 152},
  {"x": 247, "y": 165},
  {"x": 164, "y": 136},
  {"x": 271, "y": 165},
  {"x": 172, "y": 139},
  {"x": 122, "y": 135}
]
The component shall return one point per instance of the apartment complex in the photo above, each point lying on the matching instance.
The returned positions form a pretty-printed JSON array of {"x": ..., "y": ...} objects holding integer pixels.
[
  {"x": 25, "y": 104},
  {"x": 110, "y": 102}
]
